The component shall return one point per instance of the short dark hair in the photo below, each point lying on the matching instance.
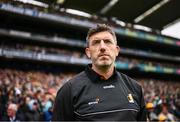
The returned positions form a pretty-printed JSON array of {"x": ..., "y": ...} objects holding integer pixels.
[{"x": 100, "y": 28}]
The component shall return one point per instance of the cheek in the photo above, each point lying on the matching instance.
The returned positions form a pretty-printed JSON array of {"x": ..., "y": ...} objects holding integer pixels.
[
  {"x": 9, "y": 112},
  {"x": 93, "y": 53},
  {"x": 115, "y": 52}
]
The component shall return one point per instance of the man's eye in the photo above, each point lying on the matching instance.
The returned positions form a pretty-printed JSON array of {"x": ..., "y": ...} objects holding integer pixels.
[
  {"x": 107, "y": 41},
  {"x": 94, "y": 42}
]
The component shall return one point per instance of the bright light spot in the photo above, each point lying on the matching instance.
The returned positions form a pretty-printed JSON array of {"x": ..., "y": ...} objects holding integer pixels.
[
  {"x": 141, "y": 27},
  {"x": 34, "y": 2},
  {"x": 172, "y": 30},
  {"x": 77, "y": 12}
]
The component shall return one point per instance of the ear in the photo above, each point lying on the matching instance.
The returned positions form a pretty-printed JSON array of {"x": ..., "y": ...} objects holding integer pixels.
[
  {"x": 117, "y": 50},
  {"x": 87, "y": 52}
]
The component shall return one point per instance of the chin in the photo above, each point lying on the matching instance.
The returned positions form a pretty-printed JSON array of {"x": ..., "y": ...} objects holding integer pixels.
[{"x": 105, "y": 64}]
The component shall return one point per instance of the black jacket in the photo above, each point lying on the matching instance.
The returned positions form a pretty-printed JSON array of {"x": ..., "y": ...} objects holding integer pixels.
[
  {"x": 88, "y": 97},
  {"x": 7, "y": 119}
]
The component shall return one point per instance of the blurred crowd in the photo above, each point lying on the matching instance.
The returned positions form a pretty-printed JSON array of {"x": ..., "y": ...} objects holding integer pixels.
[
  {"x": 29, "y": 95},
  {"x": 162, "y": 99}
]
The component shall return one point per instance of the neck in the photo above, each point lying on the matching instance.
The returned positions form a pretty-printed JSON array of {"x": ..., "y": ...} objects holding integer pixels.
[
  {"x": 12, "y": 117},
  {"x": 106, "y": 72}
]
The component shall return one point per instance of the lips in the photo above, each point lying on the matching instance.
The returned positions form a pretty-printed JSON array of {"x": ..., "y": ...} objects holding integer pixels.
[{"x": 102, "y": 55}]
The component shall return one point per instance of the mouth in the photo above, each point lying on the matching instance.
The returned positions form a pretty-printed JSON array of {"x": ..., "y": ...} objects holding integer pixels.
[
  {"x": 104, "y": 56},
  {"x": 101, "y": 55}
]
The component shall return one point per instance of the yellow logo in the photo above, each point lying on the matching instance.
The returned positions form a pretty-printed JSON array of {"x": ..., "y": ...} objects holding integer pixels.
[
  {"x": 130, "y": 98},
  {"x": 96, "y": 101}
]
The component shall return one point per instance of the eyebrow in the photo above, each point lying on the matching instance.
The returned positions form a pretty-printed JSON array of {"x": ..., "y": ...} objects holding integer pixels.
[{"x": 102, "y": 39}]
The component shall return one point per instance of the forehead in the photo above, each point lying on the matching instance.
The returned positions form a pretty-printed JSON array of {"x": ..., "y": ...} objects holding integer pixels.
[
  {"x": 11, "y": 106},
  {"x": 102, "y": 35}
]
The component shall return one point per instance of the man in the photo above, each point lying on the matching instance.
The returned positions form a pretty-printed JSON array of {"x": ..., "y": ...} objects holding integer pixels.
[
  {"x": 151, "y": 115},
  {"x": 12, "y": 113},
  {"x": 165, "y": 115},
  {"x": 100, "y": 92}
]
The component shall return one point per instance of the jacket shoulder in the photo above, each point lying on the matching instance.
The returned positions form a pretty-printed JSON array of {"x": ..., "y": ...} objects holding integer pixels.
[
  {"x": 132, "y": 84},
  {"x": 79, "y": 78}
]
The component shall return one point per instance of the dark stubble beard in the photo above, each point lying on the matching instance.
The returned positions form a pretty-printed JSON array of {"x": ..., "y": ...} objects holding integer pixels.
[{"x": 104, "y": 67}]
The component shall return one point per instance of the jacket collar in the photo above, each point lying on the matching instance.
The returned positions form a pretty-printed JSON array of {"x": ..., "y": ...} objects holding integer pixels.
[{"x": 95, "y": 77}]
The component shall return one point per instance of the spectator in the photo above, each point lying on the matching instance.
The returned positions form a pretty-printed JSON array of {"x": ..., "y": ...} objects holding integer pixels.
[
  {"x": 33, "y": 114},
  {"x": 12, "y": 113},
  {"x": 152, "y": 116},
  {"x": 167, "y": 116},
  {"x": 48, "y": 114}
]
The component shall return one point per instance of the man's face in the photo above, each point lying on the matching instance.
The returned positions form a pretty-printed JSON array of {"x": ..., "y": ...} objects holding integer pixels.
[
  {"x": 11, "y": 112},
  {"x": 102, "y": 49}
]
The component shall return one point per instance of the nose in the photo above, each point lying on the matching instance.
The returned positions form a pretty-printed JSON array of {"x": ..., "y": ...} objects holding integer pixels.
[{"x": 102, "y": 46}]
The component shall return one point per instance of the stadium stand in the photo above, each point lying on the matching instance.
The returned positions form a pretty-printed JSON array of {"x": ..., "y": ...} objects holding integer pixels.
[{"x": 41, "y": 49}]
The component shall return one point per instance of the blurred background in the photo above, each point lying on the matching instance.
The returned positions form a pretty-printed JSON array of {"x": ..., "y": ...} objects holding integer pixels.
[{"x": 42, "y": 46}]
